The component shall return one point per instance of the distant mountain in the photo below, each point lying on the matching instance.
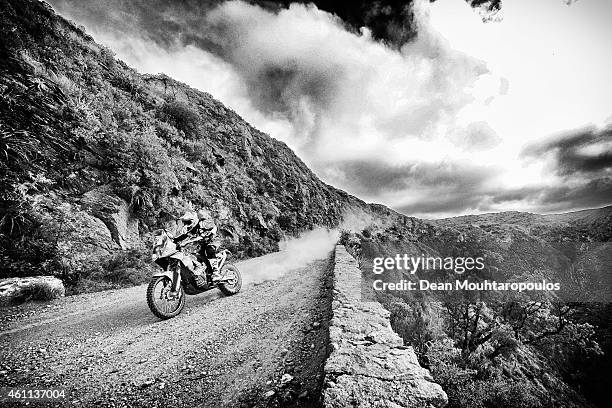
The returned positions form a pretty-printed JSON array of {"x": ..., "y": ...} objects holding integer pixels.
[
  {"x": 586, "y": 225},
  {"x": 573, "y": 248}
]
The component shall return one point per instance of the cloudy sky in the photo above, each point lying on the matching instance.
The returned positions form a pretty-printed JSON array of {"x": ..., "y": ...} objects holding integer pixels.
[{"x": 433, "y": 109}]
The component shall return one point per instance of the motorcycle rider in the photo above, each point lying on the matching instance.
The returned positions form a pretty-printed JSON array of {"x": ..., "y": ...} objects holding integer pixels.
[{"x": 200, "y": 226}]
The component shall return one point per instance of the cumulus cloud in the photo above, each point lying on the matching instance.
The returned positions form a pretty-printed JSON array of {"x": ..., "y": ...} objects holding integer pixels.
[
  {"x": 401, "y": 121},
  {"x": 337, "y": 87}
]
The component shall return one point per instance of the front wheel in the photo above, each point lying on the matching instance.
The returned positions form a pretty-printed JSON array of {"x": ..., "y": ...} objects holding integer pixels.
[
  {"x": 160, "y": 300},
  {"x": 232, "y": 280}
]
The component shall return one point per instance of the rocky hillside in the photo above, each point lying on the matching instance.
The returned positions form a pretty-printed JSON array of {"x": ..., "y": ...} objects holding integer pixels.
[{"x": 95, "y": 156}]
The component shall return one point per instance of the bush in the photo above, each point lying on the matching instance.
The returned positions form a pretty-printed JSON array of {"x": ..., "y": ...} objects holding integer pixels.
[
  {"x": 287, "y": 222},
  {"x": 198, "y": 151},
  {"x": 181, "y": 116},
  {"x": 345, "y": 235},
  {"x": 123, "y": 269},
  {"x": 43, "y": 291}
]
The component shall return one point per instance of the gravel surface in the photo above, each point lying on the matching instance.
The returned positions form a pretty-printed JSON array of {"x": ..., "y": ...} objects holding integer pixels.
[{"x": 264, "y": 347}]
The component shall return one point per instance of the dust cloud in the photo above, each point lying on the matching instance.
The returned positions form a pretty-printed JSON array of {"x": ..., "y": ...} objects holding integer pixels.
[
  {"x": 298, "y": 252},
  {"x": 294, "y": 253}
]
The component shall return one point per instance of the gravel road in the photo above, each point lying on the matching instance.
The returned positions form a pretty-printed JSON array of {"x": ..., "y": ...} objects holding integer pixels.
[{"x": 264, "y": 347}]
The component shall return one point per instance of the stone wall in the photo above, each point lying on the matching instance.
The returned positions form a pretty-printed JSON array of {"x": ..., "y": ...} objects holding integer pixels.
[{"x": 369, "y": 366}]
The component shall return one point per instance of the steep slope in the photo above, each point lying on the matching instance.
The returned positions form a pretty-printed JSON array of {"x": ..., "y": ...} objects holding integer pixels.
[{"x": 95, "y": 156}]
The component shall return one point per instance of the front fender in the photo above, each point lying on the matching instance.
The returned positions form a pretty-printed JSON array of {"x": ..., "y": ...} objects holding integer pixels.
[{"x": 174, "y": 276}]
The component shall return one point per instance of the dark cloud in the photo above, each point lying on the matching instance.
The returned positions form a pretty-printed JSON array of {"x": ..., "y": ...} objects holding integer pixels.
[
  {"x": 459, "y": 202},
  {"x": 585, "y": 194},
  {"x": 459, "y": 189},
  {"x": 390, "y": 21},
  {"x": 452, "y": 188},
  {"x": 375, "y": 177},
  {"x": 582, "y": 151}
]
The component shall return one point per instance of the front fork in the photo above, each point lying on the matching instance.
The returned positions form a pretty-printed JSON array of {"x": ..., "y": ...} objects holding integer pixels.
[{"x": 175, "y": 278}]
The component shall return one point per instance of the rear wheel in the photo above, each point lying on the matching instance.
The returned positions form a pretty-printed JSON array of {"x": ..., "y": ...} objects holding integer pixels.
[
  {"x": 160, "y": 301},
  {"x": 232, "y": 280}
]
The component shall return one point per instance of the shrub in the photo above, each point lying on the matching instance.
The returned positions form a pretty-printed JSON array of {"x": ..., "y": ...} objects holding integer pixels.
[
  {"x": 181, "y": 116},
  {"x": 126, "y": 82},
  {"x": 124, "y": 268},
  {"x": 345, "y": 235},
  {"x": 198, "y": 151},
  {"x": 43, "y": 291},
  {"x": 287, "y": 222}
]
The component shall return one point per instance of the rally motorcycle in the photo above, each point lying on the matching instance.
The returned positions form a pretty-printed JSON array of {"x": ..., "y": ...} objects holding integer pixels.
[{"x": 181, "y": 275}]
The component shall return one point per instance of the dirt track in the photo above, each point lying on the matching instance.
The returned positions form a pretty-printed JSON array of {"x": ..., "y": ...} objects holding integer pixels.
[{"x": 107, "y": 348}]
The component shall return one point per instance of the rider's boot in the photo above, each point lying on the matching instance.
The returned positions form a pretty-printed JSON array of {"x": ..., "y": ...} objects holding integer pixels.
[
  {"x": 216, "y": 273},
  {"x": 200, "y": 275}
]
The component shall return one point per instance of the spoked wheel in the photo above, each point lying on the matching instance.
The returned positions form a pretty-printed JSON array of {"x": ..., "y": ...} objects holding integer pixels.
[
  {"x": 160, "y": 300},
  {"x": 232, "y": 280}
]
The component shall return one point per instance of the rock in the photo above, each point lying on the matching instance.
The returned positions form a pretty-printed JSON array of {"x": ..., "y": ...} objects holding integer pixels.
[
  {"x": 114, "y": 212},
  {"x": 316, "y": 325},
  {"x": 17, "y": 290},
  {"x": 366, "y": 392},
  {"x": 286, "y": 379},
  {"x": 269, "y": 394},
  {"x": 81, "y": 239}
]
